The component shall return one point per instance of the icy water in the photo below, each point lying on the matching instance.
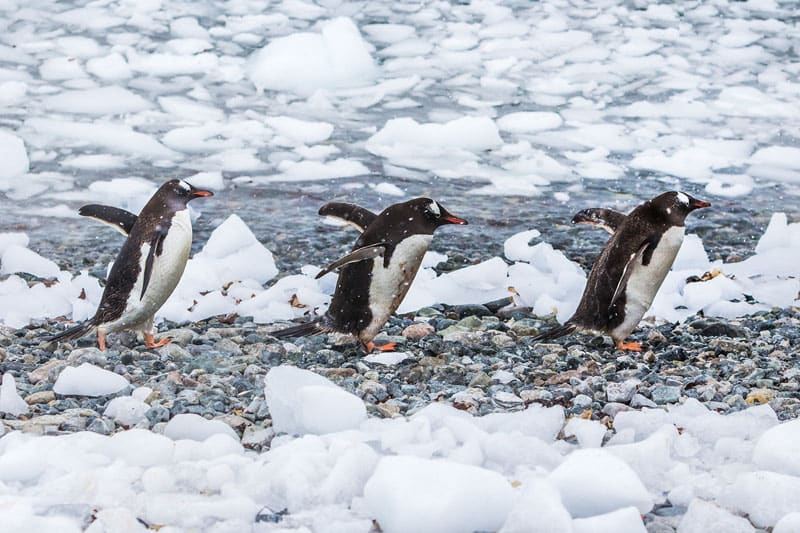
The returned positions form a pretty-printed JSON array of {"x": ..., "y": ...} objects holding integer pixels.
[{"x": 628, "y": 100}]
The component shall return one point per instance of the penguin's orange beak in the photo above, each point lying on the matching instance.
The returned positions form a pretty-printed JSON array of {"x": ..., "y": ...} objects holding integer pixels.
[
  {"x": 451, "y": 219},
  {"x": 201, "y": 193},
  {"x": 697, "y": 204}
]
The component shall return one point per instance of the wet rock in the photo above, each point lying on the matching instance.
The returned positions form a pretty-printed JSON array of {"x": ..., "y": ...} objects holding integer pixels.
[
  {"x": 662, "y": 394},
  {"x": 45, "y": 396},
  {"x": 418, "y": 330},
  {"x": 47, "y": 372}
]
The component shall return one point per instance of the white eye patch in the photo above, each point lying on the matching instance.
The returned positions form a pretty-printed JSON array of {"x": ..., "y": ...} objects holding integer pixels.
[
  {"x": 183, "y": 185},
  {"x": 434, "y": 208},
  {"x": 682, "y": 198}
]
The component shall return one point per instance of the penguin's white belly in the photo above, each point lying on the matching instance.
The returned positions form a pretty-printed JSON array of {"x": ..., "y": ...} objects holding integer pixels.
[
  {"x": 645, "y": 280},
  {"x": 389, "y": 285},
  {"x": 167, "y": 271}
]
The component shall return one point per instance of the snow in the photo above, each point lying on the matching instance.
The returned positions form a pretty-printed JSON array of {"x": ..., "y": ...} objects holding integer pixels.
[
  {"x": 303, "y": 402},
  {"x": 195, "y": 427},
  {"x": 15, "y": 158},
  {"x": 88, "y": 380},
  {"x": 10, "y": 400},
  {"x": 705, "y": 517},
  {"x": 626, "y": 519},
  {"x": 129, "y": 410},
  {"x": 414, "y": 494},
  {"x": 776, "y": 449}
]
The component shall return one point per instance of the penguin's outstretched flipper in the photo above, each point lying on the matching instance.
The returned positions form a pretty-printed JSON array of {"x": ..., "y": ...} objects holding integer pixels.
[
  {"x": 119, "y": 219},
  {"x": 564, "y": 329},
  {"x": 362, "y": 254},
  {"x": 355, "y": 215},
  {"x": 301, "y": 330},
  {"x": 608, "y": 219}
]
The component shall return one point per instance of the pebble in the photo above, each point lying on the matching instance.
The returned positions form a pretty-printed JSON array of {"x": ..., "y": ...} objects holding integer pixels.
[
  {"x": 418, "y": 330},
  {"x": 662, "y": 394},
  {"x": 45, "y": 396}
]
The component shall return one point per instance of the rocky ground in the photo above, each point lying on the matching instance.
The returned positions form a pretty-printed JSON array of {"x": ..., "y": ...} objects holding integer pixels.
[{"x": 480, "y": 358}]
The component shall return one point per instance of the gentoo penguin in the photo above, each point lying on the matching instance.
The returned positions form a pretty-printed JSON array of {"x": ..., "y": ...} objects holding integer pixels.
[
  {"x": 376, "y": 275},
  {"x": 633, "y": 264},
  {"x": 147, "y": 268}
]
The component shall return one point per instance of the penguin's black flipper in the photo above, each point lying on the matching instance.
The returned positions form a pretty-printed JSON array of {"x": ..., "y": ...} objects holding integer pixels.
[
  {"x": 156, "y": 247},
  {"x": 645, "y": 253},
  {"x": 300, "y": 330},
  {"x": 355, "y": 215},
  {"x": 367, "y": 252},
  {"x": 75, "y": 332},
  {"x": 564, "y": 329},
  {"x": 119, "y": 219},
  {"x": 608, "y": 219}
]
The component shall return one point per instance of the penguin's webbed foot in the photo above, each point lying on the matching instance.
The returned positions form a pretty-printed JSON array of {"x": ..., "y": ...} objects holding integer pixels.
[
  {"x": 630, "y": 346},
  {"x": 101, "y": 341},
  {"x": 388, "y": 347},
  {"x": 150, "y": 341}
]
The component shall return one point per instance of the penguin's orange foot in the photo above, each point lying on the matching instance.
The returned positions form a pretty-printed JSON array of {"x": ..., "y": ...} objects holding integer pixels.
[
  {"x": 631, "y": 346},
  {"x": 101, "y": 341},
  {"x": 388, "y": 347},
  {"x": 150, "y": 342}
]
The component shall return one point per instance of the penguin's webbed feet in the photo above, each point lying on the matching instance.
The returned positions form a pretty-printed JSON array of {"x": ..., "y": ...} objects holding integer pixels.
[
  {"x": 388, "y": 347},
  {"x": 101, "y": 341},
  {"x": 150, "y": 341},
  {"x": 630, "y": 346}
]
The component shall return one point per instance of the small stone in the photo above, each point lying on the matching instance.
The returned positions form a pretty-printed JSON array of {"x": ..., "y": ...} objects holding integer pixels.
[
  {"x": 537, "y": 395},
  {"x": 507, "y": 399},
  {"x": 481, "y": 380},
  {"x": 715, "y": 328},
  {"x": 87, "y": 355},
  {"x": 582, "y": 401},
  {"x": 730, "y": 346},
  {"x": 759, "y": 396},
  {"x": 662, "y": 394},
  {"x": 103, "y": 426},
  {"x": 471, "y": 310},
  {"x": 502, "y": 341},
  {"x": 427, "y": 312},
  {"x": 621, "y": 392},
  {"x": 235, "y": 421},
  {"x": 656, "y": 337},
  {"x": 157, "y": 413},
  {"x": 639, "y": 400},
  {"x": 418, "y": 330},
  {"x": 45, "y": 396},
  {"x": 182, "y": 336},
  {"x": 228, "y": 347},
  {"x": 256, "y": 438},
  {"x": 470, "y": 323},
  {"x": 525, "y": 327},
  {"x": 47, "y": 372}
]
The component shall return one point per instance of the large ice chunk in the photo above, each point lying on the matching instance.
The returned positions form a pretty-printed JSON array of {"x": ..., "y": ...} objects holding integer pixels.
[
  {"x": 593, "y": 481},
  {"x": 336, "y": 57},
  {"x": 777, "y": 449},
  {"x": 302, "y": 402},
  {"x": 88, "y": 380},
  {"x": 10, "y": 400},
  {"x": 705, "y": 517},
  {"x": 409, "y": 493},
  {"x": 15, "y": 157},
  {"x": 194, "y": 427}
]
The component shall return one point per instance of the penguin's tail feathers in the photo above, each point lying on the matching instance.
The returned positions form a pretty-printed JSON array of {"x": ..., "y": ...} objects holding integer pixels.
[
  {"x": 75, "y": 332},
  {"x": 300, "y": 330},
  {"x": 564, "y": 329}
]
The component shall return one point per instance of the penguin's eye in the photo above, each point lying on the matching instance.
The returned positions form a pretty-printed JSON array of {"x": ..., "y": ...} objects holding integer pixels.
[{"x": 433, "y": 208}]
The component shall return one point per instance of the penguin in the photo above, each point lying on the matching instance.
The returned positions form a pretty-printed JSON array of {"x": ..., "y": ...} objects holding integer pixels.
[
  {"x": 147, "y": 268},
  {"x": 629, "y": 271},
  {"x": 376, "y": 275}
]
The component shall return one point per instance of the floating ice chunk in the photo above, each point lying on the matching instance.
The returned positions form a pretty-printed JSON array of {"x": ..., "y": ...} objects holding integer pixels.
[
  {"x": 126, "y": 410},
  {"x": 317, "y": 170},
  {"x": 337, "y": 57},
  {"x": 188, "y": 27},
  {"x": 777, "y": 156},
  {"x": 15, "y": 158},
  {"x": 730, "y": 185},
  {"x": 776, "y": 449},
  {"x": 112, "y": 67},
  {"x": 788, "y": 524},
  {"x": 12, "y": 239},
  {"x": 17, "y": 259},
  {"x": 194, "y": 427},
  {"x": 12, "y": 92},
  {"x": 468, "y": 133},
  {"x": 413, "y": 494},
  {"x": 626, "y": 519},
  {"x": 389, "y": 33},
  {"x": 705, "y": 517},
  {"x": 88, "y": 380},
  {"x": 189, "y": 109},
  {"x": 61, "y": 68},
  {"x": 531, "y": 121},
  {"x": 779, "y": 234},
  {"x": 301, "y": 131},
  {"x": 94, "y": 162},
  {"x": 593, "y": 481},
  {"x": 10, "y": 400},
  {"x": 115, "y": 137},
  {"x": 207, "y": 180},
  {"x": 302, "y": 402},
  {"x": 537, "y": 509},
  {"x": 388, "y": 189},
  {"x": 765, "y": 497},
  {"x": 167, "y": 65},
  {"x": 110, "y": 100}
]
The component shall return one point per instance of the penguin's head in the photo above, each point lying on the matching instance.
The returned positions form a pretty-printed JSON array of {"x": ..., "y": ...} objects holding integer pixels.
[
  {"x": 432, "y": 214},
  {"x": 676, "y": 205},
  {"x": 182, "y": 191}
]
